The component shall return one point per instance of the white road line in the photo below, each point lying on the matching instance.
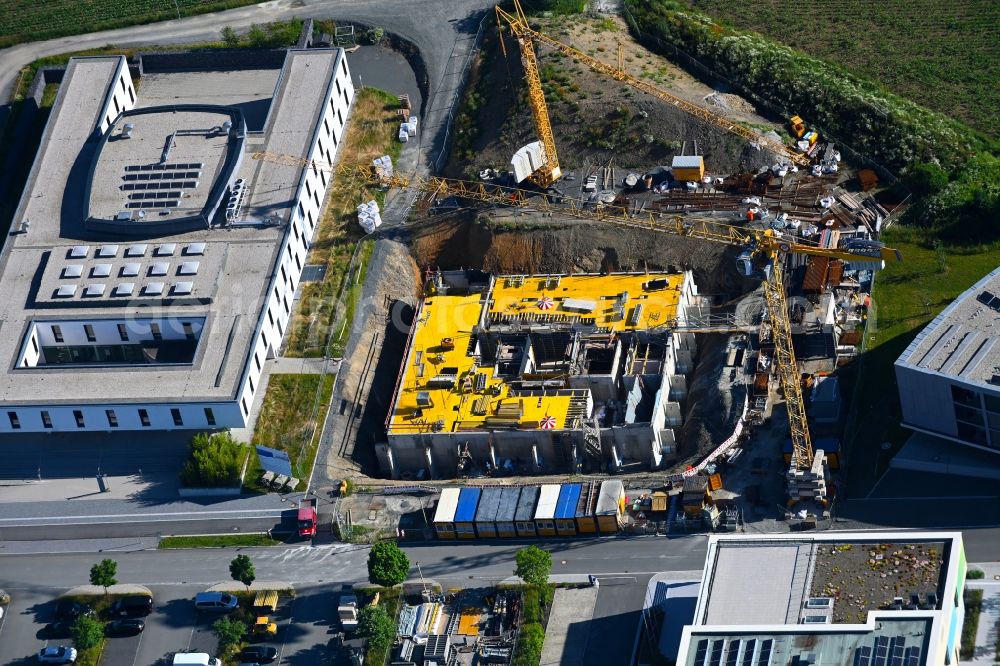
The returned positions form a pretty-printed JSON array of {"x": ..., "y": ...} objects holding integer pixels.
[
  {"x": 199, "y": 515},
  {"x": 138, "y": 647}
]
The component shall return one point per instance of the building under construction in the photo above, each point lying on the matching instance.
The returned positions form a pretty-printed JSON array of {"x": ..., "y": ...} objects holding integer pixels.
[{"x": 541, "y": 374}]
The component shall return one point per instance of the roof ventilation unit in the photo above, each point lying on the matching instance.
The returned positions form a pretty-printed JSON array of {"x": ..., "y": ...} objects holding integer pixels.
[
  {"x": 127, "y": 130},
  {"x": 66, "y": 291}
]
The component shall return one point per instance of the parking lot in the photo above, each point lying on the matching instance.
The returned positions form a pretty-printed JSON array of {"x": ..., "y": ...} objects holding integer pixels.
[{"x": 306, "y": 628}]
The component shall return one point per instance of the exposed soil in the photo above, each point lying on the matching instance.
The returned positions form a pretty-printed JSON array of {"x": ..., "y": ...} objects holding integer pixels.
[{"x": 595, "y": 118}]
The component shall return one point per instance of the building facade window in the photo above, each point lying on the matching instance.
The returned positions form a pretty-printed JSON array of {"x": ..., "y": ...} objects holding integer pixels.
[
  {"x": 209, "y": 416},
  {"x": 243, "y": 404},
  {"x": 112, "y": 418},
  {"x": 123, "y": 332},
  {"x": 46, "y": 420},
  {"x": 88, "y": 330},
  {"x": 78, "y": 415},
  {"x": 144, "y": 418},
  {"x": 15, "y": 420},
  {"x": 175, "y": 414},
  {"x": 188, "y": 330},
  {"x": 154, "y": 330},
  {"x": 57, "y": 333}
]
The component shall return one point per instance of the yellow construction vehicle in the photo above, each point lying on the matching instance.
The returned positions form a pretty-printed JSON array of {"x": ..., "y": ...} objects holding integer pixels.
[
  {"x": 763, "y": 253},
  {"x": 526, "y": 37},
  {"x": 798, "y": 126}
]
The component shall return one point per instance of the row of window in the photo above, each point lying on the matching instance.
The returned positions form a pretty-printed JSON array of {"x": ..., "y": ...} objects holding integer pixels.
[
  {"x": 154, "y": 330},
  {"x": 112, "y": 416}
]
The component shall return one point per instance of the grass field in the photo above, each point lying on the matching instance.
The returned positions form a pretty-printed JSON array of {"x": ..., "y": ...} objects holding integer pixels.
[
  {"x": 28, "y": 20},
  {"x": 287, "y": 420},
  {"x": 218, "y": 541},
  {"x": 907, "y": 296},
  {"x": 942, "y": 55},
  {"x": 371, "y": 133}
]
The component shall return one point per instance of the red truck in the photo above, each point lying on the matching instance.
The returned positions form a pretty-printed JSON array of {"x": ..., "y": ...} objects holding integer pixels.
[{"x": 307, "y": 518}]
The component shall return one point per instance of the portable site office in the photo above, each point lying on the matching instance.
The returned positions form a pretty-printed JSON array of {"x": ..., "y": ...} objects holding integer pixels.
[
  {"x": 610, "y": 506},
  {"x": 486, "y": 514},
  {"x": 586, "y": 522},
  {"x": 545, "y": 512},
  {"x": 465, "y": 513},
  {"x": 507, "y": 511},
  {"x": 444, "y": 515},
  {"x": 524, "y": 516},
  {"x": 565, "y": 515}
]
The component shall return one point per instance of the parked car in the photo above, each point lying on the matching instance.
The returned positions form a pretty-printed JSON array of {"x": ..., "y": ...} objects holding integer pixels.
[
  {"x": 57, "y": 655},
  {"x": 58, "y": 629},
  {"x": 70, "y": 610},
  {"x": 137, "y": 605},
  {"x": 258, "y": 654},
  {"x": 217, "y": 602},
  {"x": 129, "y": 627}
]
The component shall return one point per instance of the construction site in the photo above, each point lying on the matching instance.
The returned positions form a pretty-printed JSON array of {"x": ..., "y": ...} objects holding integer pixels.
[{"x": 643, "y": 278}]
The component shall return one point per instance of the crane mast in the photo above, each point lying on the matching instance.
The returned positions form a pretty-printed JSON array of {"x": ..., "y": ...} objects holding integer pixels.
[{"x": 549, "y": 172}]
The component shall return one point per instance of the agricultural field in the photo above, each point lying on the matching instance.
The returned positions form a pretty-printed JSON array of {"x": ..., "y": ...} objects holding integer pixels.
[
  {"x": 939, "y": 54},
  {"x": 29, "y": 20}
]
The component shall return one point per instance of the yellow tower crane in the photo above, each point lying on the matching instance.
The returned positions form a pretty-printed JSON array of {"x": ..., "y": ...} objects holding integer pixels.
[
  {"x": 549, "y": 172},
  {"x": 763, "y": 251}
]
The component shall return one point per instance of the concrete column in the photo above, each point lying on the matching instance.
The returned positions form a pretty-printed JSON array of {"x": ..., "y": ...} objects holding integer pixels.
[{"x": 430, "y": 462}]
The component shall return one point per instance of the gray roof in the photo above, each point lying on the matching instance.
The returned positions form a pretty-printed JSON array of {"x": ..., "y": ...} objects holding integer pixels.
[
  {"x": 961, "y": 341},
  {"x": 489, "y": 502},
  {"x": 526, "y": 503},
  {"x": 508, "y": 503},
  {"x": 763, "y": 573},
  {"x": 236, "y": 264}
]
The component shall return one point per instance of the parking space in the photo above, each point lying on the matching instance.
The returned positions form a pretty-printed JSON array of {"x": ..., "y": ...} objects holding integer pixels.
[{"x": 307, "y": 629}]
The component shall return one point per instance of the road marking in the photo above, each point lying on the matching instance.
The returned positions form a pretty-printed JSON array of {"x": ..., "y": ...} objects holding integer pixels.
[
  {"x": 142, "y": 517},
  {"x": 138, "y": 647}
]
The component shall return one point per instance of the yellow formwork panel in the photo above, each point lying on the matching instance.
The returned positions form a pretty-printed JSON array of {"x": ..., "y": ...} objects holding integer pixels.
[{"x": 443, "y": 330}]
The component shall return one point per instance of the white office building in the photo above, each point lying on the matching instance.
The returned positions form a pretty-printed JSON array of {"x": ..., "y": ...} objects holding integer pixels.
[{"x": 152, "y": 263}]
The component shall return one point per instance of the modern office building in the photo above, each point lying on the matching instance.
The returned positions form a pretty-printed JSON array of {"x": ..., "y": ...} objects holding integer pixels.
[
  {"x": 836, "y": 599},
  {"x": 949, "y": 376},
  {"x": 152, "y": 263},
  {"x": 541, "y": 373}
]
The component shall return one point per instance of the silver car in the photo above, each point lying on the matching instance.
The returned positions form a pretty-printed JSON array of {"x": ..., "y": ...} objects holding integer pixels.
[{"x": 57, "y": 655}]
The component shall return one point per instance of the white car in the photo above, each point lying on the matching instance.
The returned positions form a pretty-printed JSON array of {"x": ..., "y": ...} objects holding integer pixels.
[{"x": 57, "y": 655}]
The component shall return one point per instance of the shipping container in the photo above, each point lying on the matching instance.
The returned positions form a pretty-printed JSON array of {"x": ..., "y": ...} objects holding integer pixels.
[
  {"x": 524, "y": 516},
  {"x": 586, "y": 523},
  {"x": 465, "y": 513},
  {"x": 545, "y": 512},
  {"x": 565, "y": 514},
  {"x": 486, "y": 514},
  {"x": 444, "y": 515},
  {"x": 507, "y": 511},
  {"x": 610, "y": 506}
]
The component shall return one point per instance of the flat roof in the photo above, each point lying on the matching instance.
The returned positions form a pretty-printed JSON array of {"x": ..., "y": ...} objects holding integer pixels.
[
  {"x": 228, "y": 289},
  {"x": 526, "y": 503},
  {"x": 437, "y": 391},
  {"x": 447, "y": 504},
  {"x": 489, "y": 503},
  {"x": 548, "y": 497},
  {"x": 860, "y": 575},
  {"x": 961, "y": 342},
  {"x": 468, "y": 500},
  {"x": 508, "y": 503},
  {"x": 569, "y": 495},
  {"x": 612, "y": 493}
]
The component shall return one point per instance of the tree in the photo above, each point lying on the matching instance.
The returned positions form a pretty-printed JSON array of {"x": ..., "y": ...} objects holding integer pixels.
[
  {"x": 103, "y": 573},
  {"x": 242, "y": 570},
  {"x": 229, "y": 631},
  {"x": 87, "y": 632},
  {"x": 387, "y": 564},
  {"x": 375, "y": 624},
  {"x": 215, "y": 461},
  {"x": 230, "y": 37},
  {"x": 533, "y": 565}
]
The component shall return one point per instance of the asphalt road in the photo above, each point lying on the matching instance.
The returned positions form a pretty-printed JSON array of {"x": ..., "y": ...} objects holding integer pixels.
[{"x": 433, "y": 25}]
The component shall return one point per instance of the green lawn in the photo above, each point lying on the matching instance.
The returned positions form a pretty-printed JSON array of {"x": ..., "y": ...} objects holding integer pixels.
[
  {"x": 291, "y": 419},
  {"x": 937, "y": 53},
  {"x": 29, "y": 20},
  {"x": 907, "y": 296},
  {"x": 219, "y": 541}
]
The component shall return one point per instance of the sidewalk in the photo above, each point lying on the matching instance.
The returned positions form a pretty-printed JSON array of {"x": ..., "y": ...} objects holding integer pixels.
[{"x": 986, "y": 632}]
